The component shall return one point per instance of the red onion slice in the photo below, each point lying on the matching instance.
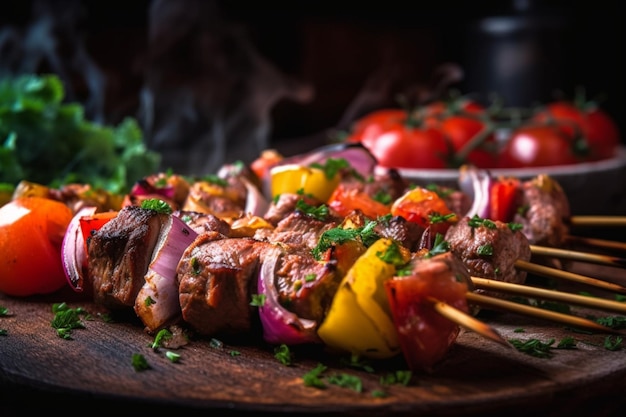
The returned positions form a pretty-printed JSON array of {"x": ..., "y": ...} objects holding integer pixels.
[
  {"x": 477, "y": 183},
  {"x": 157, "y": 301},
  {"x": 74, "y": 251},
  {"x": 279, "y": 324}
]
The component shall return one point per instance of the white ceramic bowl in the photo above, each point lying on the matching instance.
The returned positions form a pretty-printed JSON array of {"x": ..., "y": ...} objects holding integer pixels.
[{"x": 593, "y": 188}]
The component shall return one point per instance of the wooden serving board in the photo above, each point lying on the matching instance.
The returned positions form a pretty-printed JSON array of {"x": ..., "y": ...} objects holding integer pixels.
[{"x": 477, "y": 376}]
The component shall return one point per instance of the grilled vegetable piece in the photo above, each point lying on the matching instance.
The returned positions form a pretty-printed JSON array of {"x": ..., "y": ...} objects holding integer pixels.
[
  {"x": 359, "y": 321},
  {"x": 424, "y": 335}
]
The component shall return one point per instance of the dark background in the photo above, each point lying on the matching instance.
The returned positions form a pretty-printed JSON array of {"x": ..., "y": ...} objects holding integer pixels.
[{"x": 344, "y": 51}]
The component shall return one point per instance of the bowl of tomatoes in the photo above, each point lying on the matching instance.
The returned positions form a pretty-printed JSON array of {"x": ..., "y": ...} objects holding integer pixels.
[{"x": 575, "y": 142}]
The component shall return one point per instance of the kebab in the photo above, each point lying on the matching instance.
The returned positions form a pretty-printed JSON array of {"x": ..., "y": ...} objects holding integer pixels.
[{"x": 240, "y": 290}]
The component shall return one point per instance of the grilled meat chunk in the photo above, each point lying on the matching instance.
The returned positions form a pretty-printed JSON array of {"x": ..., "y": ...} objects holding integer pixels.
[
  {"x": 297, "y": 229},
  {"x": 284, "y": 205},
  {"x": 305, "y": 286},
  {"x": 203, "y": 222},
  {"x": 545, "y": 210},
  {"x": 216, "y": 276},
  {"x": 119, "y": 255},
  {"x": 489, "y": 248}
]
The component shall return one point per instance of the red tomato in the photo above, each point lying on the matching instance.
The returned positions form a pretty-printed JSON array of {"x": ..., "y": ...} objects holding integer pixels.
[
  {"x": 397, "y": 141},
  {"x": 538, "y": 146},
  {"x": 262, "y": 165},
  {"x": 425, "y": 336},
  {"x": 419, "y": 204},
  {"x": 31, "y": 234},
  {"x": 344, "y": 200},
  {"x": 373, "y": 124},
  {"x": 461, "y": 130},
  {"x": 596, "y": 126}
]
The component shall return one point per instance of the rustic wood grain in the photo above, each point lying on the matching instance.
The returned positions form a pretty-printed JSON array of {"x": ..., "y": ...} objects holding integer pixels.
[{"x": 93, "y": 371}]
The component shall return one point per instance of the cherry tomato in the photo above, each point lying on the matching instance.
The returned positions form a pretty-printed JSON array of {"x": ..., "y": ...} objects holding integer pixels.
[
  {"x": 344, "y": 200},
  {"x": 399, "y": 141},
  {"x": 595, "y": 125},
  {"x": 538, "y": 146},
  {"x": 461, "y": 130},
  {"x": 31, "y": 234},
  {"x": 373, "y": 124},
  {"x": 425, "y": 208}
]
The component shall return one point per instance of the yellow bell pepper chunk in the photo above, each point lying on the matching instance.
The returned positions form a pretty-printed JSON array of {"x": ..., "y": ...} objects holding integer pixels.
[
  {"x": 293, "y": 178},
  {"x": 359, "y": 320}
]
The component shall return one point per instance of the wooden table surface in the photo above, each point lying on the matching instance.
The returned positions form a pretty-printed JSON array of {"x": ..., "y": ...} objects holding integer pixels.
[{"x": 42, "y": 372}]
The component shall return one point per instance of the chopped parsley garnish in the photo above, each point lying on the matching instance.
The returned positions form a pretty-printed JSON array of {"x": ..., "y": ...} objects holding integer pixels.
[
  {"x": 435, "y": 217},
  {"x": 613, "y": 343},
  {"x": 402, "y": 377},
  {"x": 382, "y": 197},
  {"x": 67, "y": 319},
  {"x": 4, "y": 311},
  {"x": 318, "y": 213},
  {"x": 172, "y": 356},
  {"x": 533, "y": 347},
  {"x": 148, "y": 301},
  {"x": 283, "y": 354},
  {"x": 162, "y": 335},
  {"x": 346, "y": 381},
  {"x": 485, "y": 250},
  {"x": 216, "y": 343},
  {"x": 392, "y": 255},
  {"x": 614, "y": 322},
  {"x": 331, "y": 166},
  {"x": 215, "y": 180},
  {"x": 313, "y": 377},
  {"x": 157, "y": 205},
  {"x": 338, "y": 236},
  {"x": 195, "y": 266},
  {"x": 355, "y": 361},
  {"x": 258, "y": 300},
  {"x": 440, "y": 245},
  {"x": 139, "y": 362}
]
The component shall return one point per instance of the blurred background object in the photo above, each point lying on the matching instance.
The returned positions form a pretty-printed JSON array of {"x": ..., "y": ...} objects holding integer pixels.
[{"x": 214, "y": 81}]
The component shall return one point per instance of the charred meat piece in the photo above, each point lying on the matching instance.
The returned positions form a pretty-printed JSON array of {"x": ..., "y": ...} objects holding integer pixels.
[
  {"x": 406, "y": 233},
  {"x": 216, "y": 278},
  {"x": 119, "y": 254},
  {"x": 544, "y": 212},
  {"x": 222, "y": 197},
  {"x": 284, "y": 205},
  {"x": 203, "y": 222},
  {"x": 305, "y": 285},
  {"x": 489, "y": 249},
  {"x": 297, "y": 229}
]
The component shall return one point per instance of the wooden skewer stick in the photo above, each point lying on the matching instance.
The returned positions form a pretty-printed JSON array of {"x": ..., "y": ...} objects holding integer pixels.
[
  {"x": 597, "y": 221},
  {"x": 468, "y": 321},
  {"x": 601, "y": 243},
  {"x": 580, "y": 300},
  {"x": 499, "y": 303},
  {"x": 578, "y": 256},
  {"x": 571, "y": 276}
]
